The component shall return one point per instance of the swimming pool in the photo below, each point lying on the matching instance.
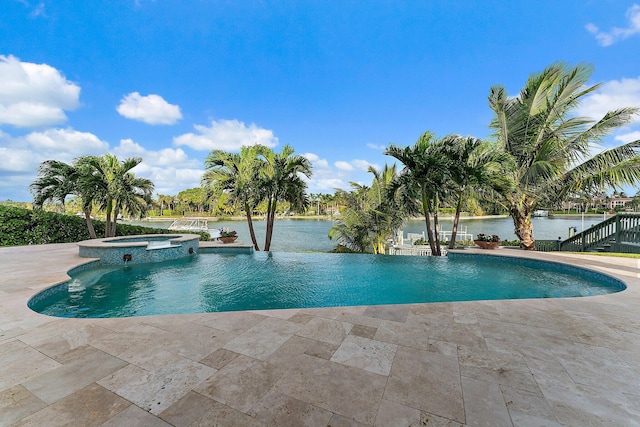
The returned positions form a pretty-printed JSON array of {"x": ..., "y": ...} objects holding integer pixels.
[{"x": 215, "y": 282}]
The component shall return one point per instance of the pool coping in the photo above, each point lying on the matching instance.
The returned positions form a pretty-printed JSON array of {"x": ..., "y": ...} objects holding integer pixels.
[{"x": 603, "y": 328}]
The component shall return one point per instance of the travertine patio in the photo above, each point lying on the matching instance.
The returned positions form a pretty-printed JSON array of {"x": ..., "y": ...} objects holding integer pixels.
[{"x": 548, "y": 362}]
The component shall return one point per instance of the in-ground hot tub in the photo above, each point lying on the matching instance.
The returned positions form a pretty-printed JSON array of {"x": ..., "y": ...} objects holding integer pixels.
[{"x": 140, "y": 249}]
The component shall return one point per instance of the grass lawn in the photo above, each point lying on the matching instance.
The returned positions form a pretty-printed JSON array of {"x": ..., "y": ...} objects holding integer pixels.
[{"x": 614, "y": 254}]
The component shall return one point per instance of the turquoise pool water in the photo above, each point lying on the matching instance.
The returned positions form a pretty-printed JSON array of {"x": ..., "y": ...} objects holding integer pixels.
[{"x": 214, "y": 282}]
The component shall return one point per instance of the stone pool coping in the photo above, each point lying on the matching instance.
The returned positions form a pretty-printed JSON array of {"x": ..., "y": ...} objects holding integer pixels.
[{"x": 570, "y": 361}]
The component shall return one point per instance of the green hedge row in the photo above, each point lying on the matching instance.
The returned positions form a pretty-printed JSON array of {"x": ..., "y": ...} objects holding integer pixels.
[{"x": 34, "y": 227}]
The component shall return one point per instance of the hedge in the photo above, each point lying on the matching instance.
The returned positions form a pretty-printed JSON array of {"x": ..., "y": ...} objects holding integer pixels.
[{"x": 35, "y": 227}]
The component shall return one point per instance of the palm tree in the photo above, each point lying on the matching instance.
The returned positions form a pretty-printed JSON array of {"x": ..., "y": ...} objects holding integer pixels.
[
  {"x": 281, "y": 180},
  {"x": 423, "y": 181},
  {"x": 351, "y": 230},
  {"x": 133, "y": 196},
  {"x": 57, "y": 180},
  {"x": 549, "y": 146},
  {"x": 474, "y": 165},
  {"x": 370, "y": 217},
  {"x": 115, "y": 188},
  {"x": 237, "y": 174}
]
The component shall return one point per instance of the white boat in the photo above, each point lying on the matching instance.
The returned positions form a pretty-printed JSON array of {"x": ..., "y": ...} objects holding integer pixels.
[{"x": 540, "y": 213}]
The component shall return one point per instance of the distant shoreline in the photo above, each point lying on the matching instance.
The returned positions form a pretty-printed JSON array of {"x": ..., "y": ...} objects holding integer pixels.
[
  {"x": 328, "y": 218},
  {"x": 310, "y": 217}
]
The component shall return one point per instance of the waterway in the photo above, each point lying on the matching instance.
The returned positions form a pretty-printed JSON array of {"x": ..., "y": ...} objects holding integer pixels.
[{"x": 307, "y": 235}]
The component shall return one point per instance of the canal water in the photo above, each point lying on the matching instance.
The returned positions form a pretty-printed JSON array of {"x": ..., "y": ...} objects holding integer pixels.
[{"x": 307, "y": 235}]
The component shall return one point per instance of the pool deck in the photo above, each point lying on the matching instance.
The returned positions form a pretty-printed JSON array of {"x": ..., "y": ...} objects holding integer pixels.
[{"x": 551, "y": 362}]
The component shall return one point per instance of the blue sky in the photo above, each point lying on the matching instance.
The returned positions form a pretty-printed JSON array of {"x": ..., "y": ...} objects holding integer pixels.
[{"x": 169, "y": 81}]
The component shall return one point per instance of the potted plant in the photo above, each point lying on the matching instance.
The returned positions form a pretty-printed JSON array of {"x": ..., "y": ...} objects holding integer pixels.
[
  {"x": 227, "y": 236},
  {"x": 486, "y": 241}
]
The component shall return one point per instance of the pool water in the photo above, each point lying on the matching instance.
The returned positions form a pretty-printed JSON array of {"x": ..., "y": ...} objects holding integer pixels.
[{"x": 216, "y": 282}]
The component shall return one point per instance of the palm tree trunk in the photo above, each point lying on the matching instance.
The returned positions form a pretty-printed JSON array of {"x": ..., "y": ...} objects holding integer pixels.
[
  {"x": 456, "y": 219},
  {"x": 436, "y": 230},
  {"x": 107, "y": 225},
  {"x": 426, "y": 209},
  {"x": 115, "y": 220},
  {"x": 252, "y": 232},
  {"x": 271, "y": 215},
  {"x": 87, "y": 218},
  {"x": 523, "y": 228}
]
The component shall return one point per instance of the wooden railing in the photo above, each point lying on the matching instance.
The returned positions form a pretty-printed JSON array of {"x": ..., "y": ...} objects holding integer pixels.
[{"x": 620, "y": 233}]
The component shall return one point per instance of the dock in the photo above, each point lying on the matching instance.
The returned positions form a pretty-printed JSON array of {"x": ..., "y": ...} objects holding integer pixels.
[{"x": 190, "y": 224}]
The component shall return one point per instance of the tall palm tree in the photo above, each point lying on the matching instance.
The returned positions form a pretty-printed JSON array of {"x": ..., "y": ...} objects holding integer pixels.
[
  {"x": 549, "y": 145},
  {"x": 282, "y": 180},
  {"x": 473, "y": 166},
  {"x": 237, "y": 174},
  {"x": 57, "y": 180},
  {"x": 423, "y": 181},
  {"x": 115, "y": 187}
]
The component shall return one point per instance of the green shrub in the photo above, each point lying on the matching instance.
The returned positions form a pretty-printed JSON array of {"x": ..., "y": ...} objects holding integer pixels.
[
  {"x": 34, "y": 227},
  {"x": 340, "y": 249}
]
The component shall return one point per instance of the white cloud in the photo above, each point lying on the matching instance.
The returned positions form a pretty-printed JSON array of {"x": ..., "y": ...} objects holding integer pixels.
[
  {"x": 34, "y": 95},
  {"x": 66, "y": 143},
  {"x": 343, "y": 166},
  {"x": 22, "y": 155},
  {"x": 611, "y": 95},
  {"x": 628, "y": 137},
  {"x": 328, "y": 185},
  {"x": 25, "y": 153},
  {"x": 151, "y": 109},
  {"x": 170, "y": 170},
  {"x": 226, "y": 135},
  {"x": 376, "y": 147},
  {"x": 15, "y": 160},
  {"x": 316, "y": 161},
  {"x": 169, "y": 180},
  {"x": 166, "y": 157},
  {"x": 354, "y": 164},
  {"x": 363, "y": 164},
  {"x": 607, "y": 38}
]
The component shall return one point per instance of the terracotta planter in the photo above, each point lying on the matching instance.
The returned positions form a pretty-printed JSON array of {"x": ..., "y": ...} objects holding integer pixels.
[
  {"x": 228, "y": 239},
  {"x": 487, "y": 245}
]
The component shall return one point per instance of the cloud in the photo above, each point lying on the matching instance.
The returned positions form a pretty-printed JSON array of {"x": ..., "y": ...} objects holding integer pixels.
[
  {"x": 151, "y": 109},
  {"x": 169, "y": 180},
  {"x": 166, "y": 157},
  {"x": 34, "y": 95},
  {"x": 376, "y": 147},
  {"x": 354, "y": 164},
  {"x": 316, "y": 161},
  {"x": 607, "y": 38},
  {"x": 327, "y": 184},
  {"x": 26, "y": 152},
  {"x": 170, "y": 170},
  {"x": 343, "y": 166},
  {"x": 67, "y": 143},
  {"x": 22, "y": 156},
  {"x": 226, "y": 135},
  {"x": 363, "y": 164},
  {"x": 611, "y": 95},
  {"x": 628, "y": 137}
]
